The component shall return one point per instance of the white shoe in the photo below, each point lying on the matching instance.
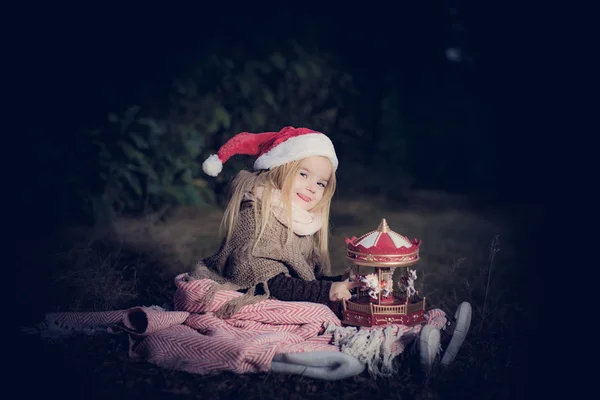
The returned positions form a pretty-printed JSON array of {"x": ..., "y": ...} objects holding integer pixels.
[
  {"x": 429, "y": 345},
  {"x": 463, "y": 322}
]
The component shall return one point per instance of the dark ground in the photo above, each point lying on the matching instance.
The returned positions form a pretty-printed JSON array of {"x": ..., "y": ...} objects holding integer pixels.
[{"x": 98, "y": 367}]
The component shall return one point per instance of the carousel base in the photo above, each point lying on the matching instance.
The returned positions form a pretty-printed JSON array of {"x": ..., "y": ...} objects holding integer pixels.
[{"x": 363, "y": 312}]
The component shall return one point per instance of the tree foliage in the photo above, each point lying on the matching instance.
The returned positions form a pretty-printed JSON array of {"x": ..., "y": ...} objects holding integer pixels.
[{"x": 149, "y": 155}]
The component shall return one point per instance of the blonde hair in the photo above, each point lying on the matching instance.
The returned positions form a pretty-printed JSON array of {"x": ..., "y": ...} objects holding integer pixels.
[{"x": 279, "y": 178}]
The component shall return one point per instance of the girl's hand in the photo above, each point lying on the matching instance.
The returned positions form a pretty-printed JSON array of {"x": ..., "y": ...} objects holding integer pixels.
[{"x": 341, "y": 290}]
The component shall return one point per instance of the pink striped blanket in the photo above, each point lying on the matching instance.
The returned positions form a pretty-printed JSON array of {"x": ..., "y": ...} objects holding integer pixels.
[{"x": 192, "y": 339}]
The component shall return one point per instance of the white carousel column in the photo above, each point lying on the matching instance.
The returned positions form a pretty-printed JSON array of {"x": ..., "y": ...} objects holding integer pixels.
[{"x": 380, "y": 276}]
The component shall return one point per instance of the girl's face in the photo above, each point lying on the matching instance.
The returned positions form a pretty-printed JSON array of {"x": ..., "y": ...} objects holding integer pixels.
[{"x": 309, "y": 185}]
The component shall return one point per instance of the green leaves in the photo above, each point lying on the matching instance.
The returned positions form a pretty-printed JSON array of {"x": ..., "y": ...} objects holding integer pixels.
[
  {"x": 143, "y": 160},
  {"x": 278, "y": 60},
  {"x": 220, "y": 119}
]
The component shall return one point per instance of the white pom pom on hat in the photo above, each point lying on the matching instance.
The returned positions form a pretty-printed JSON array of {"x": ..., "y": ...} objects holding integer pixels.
[
  {"x": 212, "y": 165},
  {"x": 273, "y": 149}
]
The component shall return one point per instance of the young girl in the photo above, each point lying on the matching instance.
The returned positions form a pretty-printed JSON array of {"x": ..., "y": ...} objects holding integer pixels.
[{"x": 276, "y": 222}]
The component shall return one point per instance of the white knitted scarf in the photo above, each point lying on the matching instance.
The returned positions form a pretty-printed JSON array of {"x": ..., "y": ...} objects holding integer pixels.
[{"x": 304, "y": 223}]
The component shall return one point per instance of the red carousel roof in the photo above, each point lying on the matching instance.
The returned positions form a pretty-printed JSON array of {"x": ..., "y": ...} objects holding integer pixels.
[{"x": 383, "y": 246}]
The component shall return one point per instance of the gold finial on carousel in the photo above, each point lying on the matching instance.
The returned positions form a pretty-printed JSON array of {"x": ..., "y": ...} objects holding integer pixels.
[{"x": 383, "y": 226}]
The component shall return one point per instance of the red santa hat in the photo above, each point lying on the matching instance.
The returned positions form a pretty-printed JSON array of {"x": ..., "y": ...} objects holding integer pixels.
[{"x": 273, "y": 149}]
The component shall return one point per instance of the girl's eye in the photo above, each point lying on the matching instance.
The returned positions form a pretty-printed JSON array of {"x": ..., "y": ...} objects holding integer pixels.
[
  {"x": 303, "y": 174},
  {"x": 321, "y": 184}
]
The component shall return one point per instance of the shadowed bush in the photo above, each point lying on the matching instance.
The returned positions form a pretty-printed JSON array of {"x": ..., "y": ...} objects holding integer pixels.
[{"x": 148, "y": 157}]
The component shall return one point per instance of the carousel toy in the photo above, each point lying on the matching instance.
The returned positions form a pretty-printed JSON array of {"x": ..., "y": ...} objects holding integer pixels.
[{"x": 382, "y": 300}]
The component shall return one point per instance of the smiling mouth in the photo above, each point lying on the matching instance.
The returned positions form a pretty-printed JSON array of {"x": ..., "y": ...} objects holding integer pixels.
[{"x": 303, "y": 197}]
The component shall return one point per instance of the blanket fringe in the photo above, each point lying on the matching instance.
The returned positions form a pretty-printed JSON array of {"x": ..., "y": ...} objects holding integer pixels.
[
  {"x": 233, "y": 306},
  {"x": 376, "y": 347},
  {"x": 54, "y": 332},
  {"x": 210, "y": 294},
  {"x": 201, "y": 271}
]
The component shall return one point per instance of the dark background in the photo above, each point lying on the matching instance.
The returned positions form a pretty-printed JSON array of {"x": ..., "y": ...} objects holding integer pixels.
[{"x": 92, "y": 61}]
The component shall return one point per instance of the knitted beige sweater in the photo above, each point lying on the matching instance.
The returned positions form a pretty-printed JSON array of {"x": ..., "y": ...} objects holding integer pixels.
[{"x": 238, "y": 266}]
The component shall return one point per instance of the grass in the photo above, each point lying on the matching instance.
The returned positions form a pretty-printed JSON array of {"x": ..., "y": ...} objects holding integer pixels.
[{"x": 466, "y": 256}]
